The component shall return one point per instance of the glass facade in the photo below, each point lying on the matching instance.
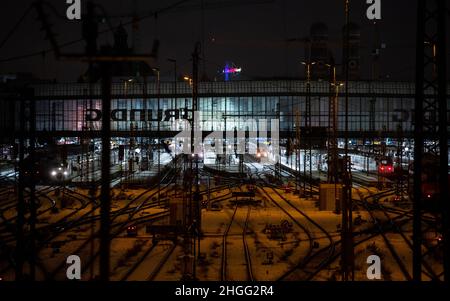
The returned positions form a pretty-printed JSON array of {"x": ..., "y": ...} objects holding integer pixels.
[{"x": 373, "y": 107}]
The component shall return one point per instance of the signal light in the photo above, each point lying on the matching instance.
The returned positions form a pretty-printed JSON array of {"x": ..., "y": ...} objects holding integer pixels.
[{"x": 386, "y": 169}]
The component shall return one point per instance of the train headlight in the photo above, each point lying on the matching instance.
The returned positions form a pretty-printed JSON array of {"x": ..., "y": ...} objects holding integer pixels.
[
  {"x": 65, "y": 173},
  {"x": 53, "y": 173}
]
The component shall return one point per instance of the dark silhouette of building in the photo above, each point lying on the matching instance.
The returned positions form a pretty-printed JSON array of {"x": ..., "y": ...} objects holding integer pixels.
[
  {"x": 354, "y": 42},
  {"x": 317, "y": 51},
  {"x": 122, "y": 69}
]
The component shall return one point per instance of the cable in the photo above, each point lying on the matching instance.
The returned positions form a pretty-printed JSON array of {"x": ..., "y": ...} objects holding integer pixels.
[
  {"x": 55, "y": 11},
  {"x": 63, "y": 45},
  {"x": 211, "y": 6},
  {"x": 16, "y": 26},
  {"x": 108, "y": 21}
]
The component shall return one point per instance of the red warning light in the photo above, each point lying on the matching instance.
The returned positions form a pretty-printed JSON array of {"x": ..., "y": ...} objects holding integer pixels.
[{"x": 386, "y": 169}]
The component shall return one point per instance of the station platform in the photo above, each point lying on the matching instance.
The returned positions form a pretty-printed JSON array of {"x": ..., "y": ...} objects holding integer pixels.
[
  {"x": 360, "y": 177},
  {"x": 144, "y": 177},
  {"x": 226, "y": 171}
]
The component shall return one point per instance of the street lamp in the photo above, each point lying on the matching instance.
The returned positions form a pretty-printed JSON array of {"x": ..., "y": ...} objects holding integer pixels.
[
  {"x": 333, "y": 68},
  {"x": 188, "y": 79},
  {"x": 337, "y": 86},
  {"x": 308, "y": 68},
  {"x": 126, "y": 83}
]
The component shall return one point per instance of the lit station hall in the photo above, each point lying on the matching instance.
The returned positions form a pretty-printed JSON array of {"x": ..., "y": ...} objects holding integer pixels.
[{"x": 158, "y": 165}]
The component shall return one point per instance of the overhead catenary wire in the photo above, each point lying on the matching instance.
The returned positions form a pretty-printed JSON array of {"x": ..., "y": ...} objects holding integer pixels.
[
  {"x": 151, "y": 14},
  {"x": 15, "y": 27},
  {"x": 73, "y": 42}
]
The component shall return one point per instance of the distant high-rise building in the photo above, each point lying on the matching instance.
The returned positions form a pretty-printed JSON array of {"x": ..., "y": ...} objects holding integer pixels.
[
  {"x": 121, "y": 40},
  {"x": 354, "y": 42},
  {"x": 317, "y": 50}
]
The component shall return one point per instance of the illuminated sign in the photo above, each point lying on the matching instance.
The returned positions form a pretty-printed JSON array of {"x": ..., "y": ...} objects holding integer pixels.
[
  {"x": 231, "y": 70},
  {"x": 138, "y": 115}
]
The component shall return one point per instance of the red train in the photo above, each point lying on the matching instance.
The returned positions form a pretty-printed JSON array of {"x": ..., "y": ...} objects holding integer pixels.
[{"x": 386, "y": 166}]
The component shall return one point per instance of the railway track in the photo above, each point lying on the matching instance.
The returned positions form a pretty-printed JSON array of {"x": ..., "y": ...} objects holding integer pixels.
[
  {"x": 248, "y": 258},
  {"x": 329, "y": 258},
  {"x": 329, "y": 249},
  {"x": 224, "y": 273},
  {"x": 118, "y": 228},
  {"x": 89, "y": 217},
  {"x": 310, "y": 265},
  {"x": 138, "y": 262},
  {"x": 387, "y": 242},
  {"x": 161, "y": 263},
  {"x": 82, "y": 199},
  {"x": 387, "y": 224},
  {"x": 151, "y": 249},
  {"x": 318, "y": 259},
  {"x": 7, "y": 226},
  {"x": 311, "y": 258}
]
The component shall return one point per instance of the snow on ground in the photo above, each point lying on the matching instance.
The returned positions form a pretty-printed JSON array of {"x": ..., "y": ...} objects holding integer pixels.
[{"x": 285, "y": 253}]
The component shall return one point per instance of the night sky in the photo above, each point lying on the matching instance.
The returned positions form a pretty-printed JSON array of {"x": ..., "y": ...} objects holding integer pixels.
[{"x": 253, "y": 36}]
